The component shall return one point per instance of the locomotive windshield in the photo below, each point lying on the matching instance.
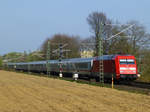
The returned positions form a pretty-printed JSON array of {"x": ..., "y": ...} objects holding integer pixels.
[{"x": 127, "y": 61}]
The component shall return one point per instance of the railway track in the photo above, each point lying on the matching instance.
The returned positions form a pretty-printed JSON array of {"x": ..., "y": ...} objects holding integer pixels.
[
  {"x": 136, "y": 84},
  {"x": 135, "y": 87},
  {"x": 140, "y": 84}
]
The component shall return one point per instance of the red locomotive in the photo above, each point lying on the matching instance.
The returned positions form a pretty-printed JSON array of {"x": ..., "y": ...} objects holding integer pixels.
[{"x": 122, "y": 67}]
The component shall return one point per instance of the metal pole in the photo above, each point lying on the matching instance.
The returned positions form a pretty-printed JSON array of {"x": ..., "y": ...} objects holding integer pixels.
[
  {"x": 28, "y": 67},
  {"x": 60, "y": 59},
  {"x": 100, "y": 53},
  {"x": 26, "y": 59},
  {"x": 48, "y": 58}
]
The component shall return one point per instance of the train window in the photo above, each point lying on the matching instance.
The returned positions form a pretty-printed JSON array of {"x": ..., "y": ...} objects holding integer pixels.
[
  {"x": 127, "y": 61},
  {"x": 123, "y": 61},
  {"x": 130, "y": 61},
  {"x": 83, "y": 65}
]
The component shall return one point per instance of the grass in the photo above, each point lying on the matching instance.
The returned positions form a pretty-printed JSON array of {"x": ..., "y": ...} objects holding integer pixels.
[{"x": 29, "y": 93}]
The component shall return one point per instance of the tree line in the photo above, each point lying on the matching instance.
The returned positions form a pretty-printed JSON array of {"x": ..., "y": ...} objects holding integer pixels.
[{"x": 134, "y": 41}]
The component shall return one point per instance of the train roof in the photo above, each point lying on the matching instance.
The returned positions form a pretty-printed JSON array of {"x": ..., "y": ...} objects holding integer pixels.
[
  {"x": 106, "y": 57},
  {"x": 23, "y": 63},
  {"x": 73, "y": 60},
  {"x": 110, "y": 57}
]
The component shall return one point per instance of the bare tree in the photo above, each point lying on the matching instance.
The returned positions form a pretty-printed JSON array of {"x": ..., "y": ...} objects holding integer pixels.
[
  {"x": 97, "y": 22},
  {"x": 138, "y": 36}
]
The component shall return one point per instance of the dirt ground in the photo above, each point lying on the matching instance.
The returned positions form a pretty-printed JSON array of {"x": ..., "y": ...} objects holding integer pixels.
[{"x": 27, "y": 93}]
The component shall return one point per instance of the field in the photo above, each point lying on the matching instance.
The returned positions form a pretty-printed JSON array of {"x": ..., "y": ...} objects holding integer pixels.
[{"x": 27, "y": 93}]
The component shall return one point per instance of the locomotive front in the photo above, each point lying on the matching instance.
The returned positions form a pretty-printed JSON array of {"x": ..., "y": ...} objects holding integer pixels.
[{"x": 126, "y": 68}]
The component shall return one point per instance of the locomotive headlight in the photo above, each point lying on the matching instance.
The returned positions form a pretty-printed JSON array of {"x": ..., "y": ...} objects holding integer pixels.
[{"x": 138, "y": 75}]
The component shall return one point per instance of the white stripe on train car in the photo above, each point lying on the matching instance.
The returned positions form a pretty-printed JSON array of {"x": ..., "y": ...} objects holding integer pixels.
[
  {"x": 123, "y": 68},
  {"x": 132, "y": 68}
]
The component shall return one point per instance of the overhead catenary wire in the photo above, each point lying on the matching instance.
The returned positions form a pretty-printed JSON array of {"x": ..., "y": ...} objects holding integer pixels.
[{"x": 114, "y": 36}]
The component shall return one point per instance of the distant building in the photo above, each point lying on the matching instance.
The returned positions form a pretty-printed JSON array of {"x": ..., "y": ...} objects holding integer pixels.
[{"x": 86, "y": 53}]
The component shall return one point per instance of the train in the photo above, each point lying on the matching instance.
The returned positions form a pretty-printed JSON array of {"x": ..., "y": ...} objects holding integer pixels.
[{"x": 120, "y": 67}]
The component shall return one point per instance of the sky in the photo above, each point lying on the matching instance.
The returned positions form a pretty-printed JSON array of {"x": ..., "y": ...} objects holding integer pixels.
[{"x": 25, "y": 24}]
